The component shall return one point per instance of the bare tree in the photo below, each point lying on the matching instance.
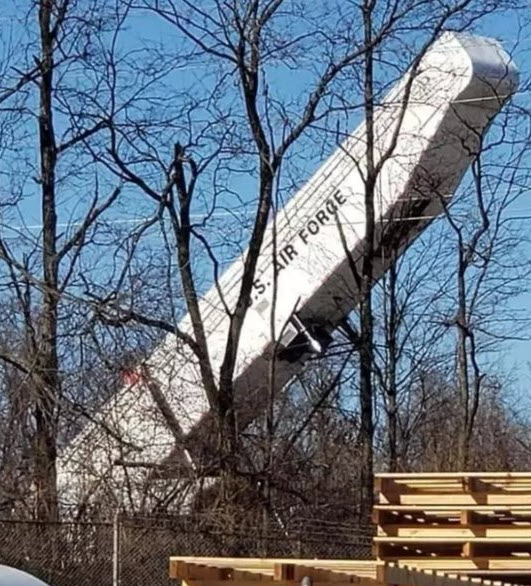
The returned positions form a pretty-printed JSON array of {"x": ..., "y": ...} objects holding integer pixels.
[
  {"x": 239, "y": 43},
  {"x": 196, "y": 134},
  {"x": 425, "y": 296},
  {"x": 408, "y": 337},
  {"x": 219, "y": 134},
  {"x": 487, "y": 272},
  {"x": 379, "y": 22},
  {"x": 51, "y": 181}
]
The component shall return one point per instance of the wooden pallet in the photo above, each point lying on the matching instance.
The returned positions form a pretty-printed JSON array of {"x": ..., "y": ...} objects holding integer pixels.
[
  {"x": 470, "y": 523},
  {"x": 290, "y": 572}
]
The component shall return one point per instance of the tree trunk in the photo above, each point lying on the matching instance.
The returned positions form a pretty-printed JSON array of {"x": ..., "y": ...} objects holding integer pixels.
[
  {"x": 462, "y": 363},
  {"x": 46, "y": 379},
  {"x": 366, "y": 316},
  {"x": 391, "y": 390}
]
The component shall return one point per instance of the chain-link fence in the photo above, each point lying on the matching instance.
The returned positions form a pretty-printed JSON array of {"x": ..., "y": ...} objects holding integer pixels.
[{"x": 136, "y": 552}]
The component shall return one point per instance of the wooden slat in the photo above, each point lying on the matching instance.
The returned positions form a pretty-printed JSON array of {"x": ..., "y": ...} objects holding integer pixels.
[
  {"x": 193, "y": 571},
  {"x": 362, "y": 568},
  {"x": 460, "y": 564},
  {"x": 498, "y": 573},
  {"x": 445, "y": 475},
  {"x": 407, "y": 576},
  {"x": 470, "y": 485},
  {"x": 456, "y": 501},
  {"x": 420, "y": 531},
  {"x": 296, "y": 572},
  {"x": 271, "y": 582},
  {"x": 241, "y": 582},
  {"x": 463, "y": 539},
  {"x": 455, "y": 509}
]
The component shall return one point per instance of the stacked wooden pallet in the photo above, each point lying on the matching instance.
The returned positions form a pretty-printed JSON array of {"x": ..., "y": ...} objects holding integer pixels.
[{"x": 467, "y": 523}]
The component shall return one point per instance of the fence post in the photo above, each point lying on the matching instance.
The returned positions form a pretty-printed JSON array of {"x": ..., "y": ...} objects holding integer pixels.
[
  {"x": 116, "y": 549},
  {"x": 299, "y": 538}
]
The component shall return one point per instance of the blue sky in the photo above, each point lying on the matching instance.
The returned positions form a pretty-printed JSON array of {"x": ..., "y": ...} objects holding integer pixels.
[{"x": 516, "y": 355}]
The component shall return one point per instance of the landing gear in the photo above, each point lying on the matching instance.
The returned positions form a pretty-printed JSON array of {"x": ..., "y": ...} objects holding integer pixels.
[{"x": 302, "y": 337}]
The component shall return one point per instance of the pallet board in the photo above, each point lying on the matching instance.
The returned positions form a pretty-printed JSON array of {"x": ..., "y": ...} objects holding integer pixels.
[
  {"x": 455, "y": 531},
  {"x": 290, "y": 572},
  {"x": 266, "y": 566},
  {"x": 468, "y": 523}
]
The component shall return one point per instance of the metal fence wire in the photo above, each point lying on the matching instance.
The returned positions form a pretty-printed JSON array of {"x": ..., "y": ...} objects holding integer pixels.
[{"x": 136, "y": 551}]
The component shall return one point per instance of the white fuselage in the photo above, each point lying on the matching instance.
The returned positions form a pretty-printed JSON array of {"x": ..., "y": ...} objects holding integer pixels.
[{"x": 426, "y": 143}]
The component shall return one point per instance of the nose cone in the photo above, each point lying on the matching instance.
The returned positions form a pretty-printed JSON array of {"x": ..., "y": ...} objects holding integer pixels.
[{"x": 490, "y": 62}]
